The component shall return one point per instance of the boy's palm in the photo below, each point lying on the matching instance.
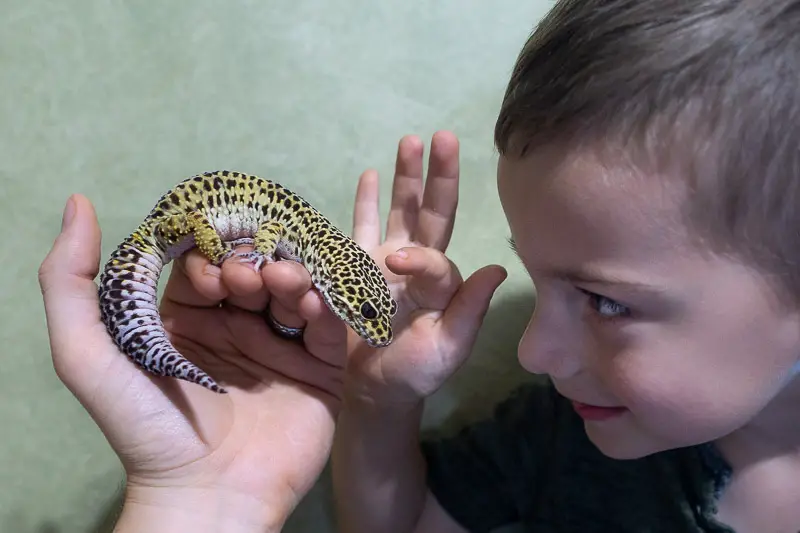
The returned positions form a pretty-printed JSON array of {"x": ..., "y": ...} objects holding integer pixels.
[{"x": 438, "y": 313}]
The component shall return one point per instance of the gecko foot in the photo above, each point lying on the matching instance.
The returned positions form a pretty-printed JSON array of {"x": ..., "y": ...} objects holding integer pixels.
[
  {"x": 244, "y": 241},
  {"x": 257, "y": 259}
]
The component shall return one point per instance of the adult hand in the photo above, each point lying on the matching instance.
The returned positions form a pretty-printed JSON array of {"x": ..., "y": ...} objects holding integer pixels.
[{"x": 197, "y": 460}]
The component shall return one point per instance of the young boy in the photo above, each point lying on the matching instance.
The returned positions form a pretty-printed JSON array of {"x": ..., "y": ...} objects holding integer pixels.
[{"x": 650, "y": 172}]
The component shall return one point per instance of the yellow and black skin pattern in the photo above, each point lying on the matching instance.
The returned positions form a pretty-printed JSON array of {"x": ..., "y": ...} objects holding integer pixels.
[{"x": 216, "y": 212}]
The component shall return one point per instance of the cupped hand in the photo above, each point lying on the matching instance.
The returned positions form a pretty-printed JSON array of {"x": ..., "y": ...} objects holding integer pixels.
[
  {"x": 264, "y": 443},
  {"x": 439, "y": 313}
]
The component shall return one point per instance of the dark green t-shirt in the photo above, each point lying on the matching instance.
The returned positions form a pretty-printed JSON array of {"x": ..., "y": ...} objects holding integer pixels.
[{"x": 532, "y": 464}]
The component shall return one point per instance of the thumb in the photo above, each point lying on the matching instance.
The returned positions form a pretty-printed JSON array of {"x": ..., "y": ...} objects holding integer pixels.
[
  {"x": 66, "y": 279},
  {"x": 464, "y": 316}
]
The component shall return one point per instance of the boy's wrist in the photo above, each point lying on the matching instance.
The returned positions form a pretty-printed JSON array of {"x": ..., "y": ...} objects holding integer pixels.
[
  {"x": 200, "y": 510},
  {"x": 362, "y": 403}
]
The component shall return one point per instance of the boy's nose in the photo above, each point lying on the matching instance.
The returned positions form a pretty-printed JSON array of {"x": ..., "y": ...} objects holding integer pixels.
[{"x": 550, "y": 346}]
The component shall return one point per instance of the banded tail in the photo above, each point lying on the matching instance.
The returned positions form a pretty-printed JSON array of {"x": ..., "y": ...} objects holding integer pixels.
[{"x": 129, "y": 309}]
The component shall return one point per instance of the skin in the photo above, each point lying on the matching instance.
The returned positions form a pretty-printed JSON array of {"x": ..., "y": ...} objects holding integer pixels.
[{"x": 651, "y": 347}]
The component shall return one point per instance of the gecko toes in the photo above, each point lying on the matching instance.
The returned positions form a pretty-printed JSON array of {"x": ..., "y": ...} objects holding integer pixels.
[{"x": 256, "y": 259}]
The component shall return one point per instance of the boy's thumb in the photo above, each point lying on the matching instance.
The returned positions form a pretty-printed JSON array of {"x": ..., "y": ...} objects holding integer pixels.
[{"x": 464, "y": 316}]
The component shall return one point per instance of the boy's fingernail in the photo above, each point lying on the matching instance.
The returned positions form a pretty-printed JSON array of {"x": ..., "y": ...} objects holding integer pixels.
[
  {"x": 401, "y": 253},
  {"x": 69, "y": 213}
]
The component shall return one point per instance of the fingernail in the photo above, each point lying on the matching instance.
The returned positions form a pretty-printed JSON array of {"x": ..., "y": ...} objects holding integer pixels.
[
  {"x": 401, "y": 253},
  {"x": 69, "y": 213},
  {"x": 211, "y": 270}
]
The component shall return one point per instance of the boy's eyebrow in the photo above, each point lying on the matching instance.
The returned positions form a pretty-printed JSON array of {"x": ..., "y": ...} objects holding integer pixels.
[{"x": 588, "y": 276}]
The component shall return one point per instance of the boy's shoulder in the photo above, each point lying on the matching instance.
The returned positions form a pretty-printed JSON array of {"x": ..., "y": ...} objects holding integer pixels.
[{"x": 532, "y": 463}]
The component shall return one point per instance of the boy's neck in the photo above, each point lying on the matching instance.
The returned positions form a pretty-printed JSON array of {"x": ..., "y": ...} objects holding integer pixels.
[
  {"x": 765, "y": 459},
  {"x": 773, "y": 434}
]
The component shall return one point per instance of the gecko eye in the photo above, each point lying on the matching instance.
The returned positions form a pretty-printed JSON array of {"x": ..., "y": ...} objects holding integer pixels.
[
  {"x": 368, "y": 312},
  {"x": 393, "y": 310}
]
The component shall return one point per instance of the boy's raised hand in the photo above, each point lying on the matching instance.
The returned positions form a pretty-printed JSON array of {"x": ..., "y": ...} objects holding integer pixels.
[{"x": 439, "y": 314}]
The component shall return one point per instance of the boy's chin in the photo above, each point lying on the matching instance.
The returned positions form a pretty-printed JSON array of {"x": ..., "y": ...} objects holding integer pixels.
[{"x": 624, "y": 445}]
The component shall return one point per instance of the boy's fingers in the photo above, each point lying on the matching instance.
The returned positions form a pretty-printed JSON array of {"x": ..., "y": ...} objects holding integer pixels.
[
  {"x": 440, "y": 200},
  {"x": 366, "y": 211},
  {"x": 434, "y": 278},
  {"x": 406, "y": 190},
  {"x": 463, "y": 317}
]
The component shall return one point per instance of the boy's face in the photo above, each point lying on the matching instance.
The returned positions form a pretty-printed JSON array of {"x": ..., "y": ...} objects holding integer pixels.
[{"x": 688, "y": 346}]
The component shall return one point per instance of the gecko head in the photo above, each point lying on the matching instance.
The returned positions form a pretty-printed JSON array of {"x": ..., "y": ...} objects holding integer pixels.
[{"x": 359, "y": 295}]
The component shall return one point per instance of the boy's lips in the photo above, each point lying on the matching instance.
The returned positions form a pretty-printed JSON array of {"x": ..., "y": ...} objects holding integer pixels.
[{"x": 596, "y": 412}]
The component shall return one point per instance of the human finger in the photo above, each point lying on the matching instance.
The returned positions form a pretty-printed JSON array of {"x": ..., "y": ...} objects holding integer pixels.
[
  {"x": 434, "y": 278},
  {"x": 325, "y": 336},
  {"x": 440, "y": 199},
  {"x": 366, "y": 211},
  {"x": 407, "y": 189},
  {"x": 289, "y": 360},
  {"x": 286, "y": 282},
  {"x": 78, "y": 340},
  {"x": 464, "y": 315},
  {"x": 195, "y": 282},
  {"x": 245, "y": 285}
]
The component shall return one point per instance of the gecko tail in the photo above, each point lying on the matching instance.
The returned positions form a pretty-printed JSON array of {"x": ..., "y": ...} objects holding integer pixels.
[{"x": 129, "y": 310}]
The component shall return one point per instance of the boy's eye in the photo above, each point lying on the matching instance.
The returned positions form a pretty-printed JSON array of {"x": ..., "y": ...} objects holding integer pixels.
[{"x": 606, "y": 307}]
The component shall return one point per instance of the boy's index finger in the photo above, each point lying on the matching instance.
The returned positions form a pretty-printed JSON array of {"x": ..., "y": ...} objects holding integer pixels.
[
  {"x": 440, "y": 199},
  {"x": 434, "y": 278}
]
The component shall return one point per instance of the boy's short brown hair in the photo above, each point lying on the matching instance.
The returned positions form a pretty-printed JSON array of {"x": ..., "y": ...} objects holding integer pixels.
[{"x": 705, "y": 88}]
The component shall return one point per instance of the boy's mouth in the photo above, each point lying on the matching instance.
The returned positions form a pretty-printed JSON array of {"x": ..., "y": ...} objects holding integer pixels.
[{"x": 596, "y": 412}]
